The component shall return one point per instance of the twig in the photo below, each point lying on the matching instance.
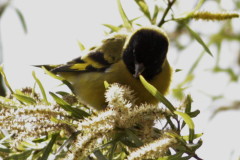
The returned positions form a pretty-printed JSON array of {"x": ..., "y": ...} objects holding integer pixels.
[
  {"x": 196, "y": 157},
  {"x": 170, "y": 3}
]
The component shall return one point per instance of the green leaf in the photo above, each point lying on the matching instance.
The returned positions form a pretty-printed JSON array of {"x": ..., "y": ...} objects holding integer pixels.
[
  {"x": 126, "y": 23},
  {"x": 5, "y": 150},
  {"x": 3, "y": 6},
  {"x": 169, "y": 121},
  {"x": 68, "y": 141},
  {"x": 117, "y": 137},
  {"x": 112, "y": 27},
  {"x": 52, "y": 74},
  {"x": 112, "y": 150},
  {"x": 198, "y": 38},
  {"x": 195, "y": 64},
  {"x": 194, "y": 113},
  {"x": 81, "y": 46},
  {"x": 155, "y": 14},
  {"x": 58, "y": 100},
  {"x": 178, "y": 137},
  {"x": 179, "y": 92},
  {"x": 157, "y": 94},
  {"x": 188, "y": 104},
  {"x": 40, "y": 140},
  {"x": 9, "y": 103},
  {"x": 77, "y": 113},
  {"x": 186, "y": 138},
  {"x": 5, "y": 79},
  {"x": 58, "y": 78},
  {"x": 144, "y": 8},
  {"x": 194, "y": 147},
  {"x": 21, "y": 17},
  {"x": 130, "y": 139},
  {"x": 41, "y": 87},
  {"x": 62, "y": 93},
  {"x": 48, "y": 148},
  {"x": 187, "y": 119},
  {"x": 99, "y": 155},
  {"x": 199, "y": 4},
  {"x": 229, "y": 71},
  {"x": 55, "y": 120},
  {"x": 235, "y": 106},
  {"x": 24, "y": 99},
  {"x": 178, "y": 70},
  {"x": 21, "y": 156}
]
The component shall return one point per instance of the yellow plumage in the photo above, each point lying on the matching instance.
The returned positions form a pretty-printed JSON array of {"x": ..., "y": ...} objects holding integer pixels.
[
  {"x": 120, "y": 59},
  {"x": 89, "y": 87}
]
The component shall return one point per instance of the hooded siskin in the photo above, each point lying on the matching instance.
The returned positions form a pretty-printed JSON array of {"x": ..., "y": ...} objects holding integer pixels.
[{"x": 121, "y": 59}]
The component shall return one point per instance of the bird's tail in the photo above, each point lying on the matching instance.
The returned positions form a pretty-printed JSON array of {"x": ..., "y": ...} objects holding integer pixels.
[{"x": 50, "y": 68}]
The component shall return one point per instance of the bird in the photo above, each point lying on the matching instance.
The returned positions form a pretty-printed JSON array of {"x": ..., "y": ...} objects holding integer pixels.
[{"x": 120, "y": 58}]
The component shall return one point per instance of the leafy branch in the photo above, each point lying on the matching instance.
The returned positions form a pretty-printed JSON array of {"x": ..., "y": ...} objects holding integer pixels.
[{"x": 170, "y": 4}]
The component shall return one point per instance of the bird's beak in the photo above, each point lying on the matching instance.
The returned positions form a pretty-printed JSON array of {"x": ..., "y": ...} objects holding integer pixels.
[{"x": 139, "y": 68}]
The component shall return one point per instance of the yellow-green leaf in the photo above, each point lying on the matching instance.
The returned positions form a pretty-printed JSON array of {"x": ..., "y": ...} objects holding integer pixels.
[
  {"x": 144, "y": 8},
  {"x": 157, "y": 94},
  {"x": 49, "y": 147},
  {"x": 81, "y": 46},
  {"x": 41, "y": 87},
  {"x": 3, "y": 6},
  {"x": 5, "y": 150},
  {"x": 186, "y": 138},
  {"x": 133, "y": 137},
  {"x": 112, "y": 27},
  {"x": 126, "y": 23},
  {"x": 155, "y": 14},
  {"x": 20, "y": 156},
  {"x": 9, "y": 103},
  {"x": 52, "y": 75},
  {"x": 130, "y": 139},
  {"x": 78, "y": 113},
  {"x": 199, "y": 4},
  {"x": 99, "y": 155},
  {"x": 187, "y": 119},
  {"x": 24, "y": 99},
  {"x": 58, "y": 100},
  {"x": 58, "y": 78},
  {"x": 188, "y": 104},
  {"x": 67, "y": 142},
  {"x": 5, "y": 79},
  {"x": 22, "y": 20},
  {"x": 198, "y": 38}
]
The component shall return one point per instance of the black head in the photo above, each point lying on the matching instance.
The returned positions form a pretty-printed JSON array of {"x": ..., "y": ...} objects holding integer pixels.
[{"x": 145, "y": 52}]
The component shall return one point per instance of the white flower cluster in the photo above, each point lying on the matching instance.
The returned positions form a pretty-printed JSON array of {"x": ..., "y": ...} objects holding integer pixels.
[
  {"x": 121, "y": 113},
  {"x": 153, "y": 150}
]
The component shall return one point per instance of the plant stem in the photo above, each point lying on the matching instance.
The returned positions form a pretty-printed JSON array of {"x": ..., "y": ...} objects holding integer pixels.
[
  {"x": 196, "y": 157},
  {"x": 170, "y": 3}
]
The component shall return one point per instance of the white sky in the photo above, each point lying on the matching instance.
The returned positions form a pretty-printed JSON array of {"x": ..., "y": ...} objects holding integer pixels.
[{"x": 54, "y": 26}]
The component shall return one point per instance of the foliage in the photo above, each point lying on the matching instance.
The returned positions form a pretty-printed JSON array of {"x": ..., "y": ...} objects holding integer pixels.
[
  {"x": 33, "y": 127},
  {"x": 38, "y": 128}
]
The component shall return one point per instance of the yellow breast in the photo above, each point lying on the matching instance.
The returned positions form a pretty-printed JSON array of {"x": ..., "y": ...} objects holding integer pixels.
[{"x": 89, "y": 87}]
